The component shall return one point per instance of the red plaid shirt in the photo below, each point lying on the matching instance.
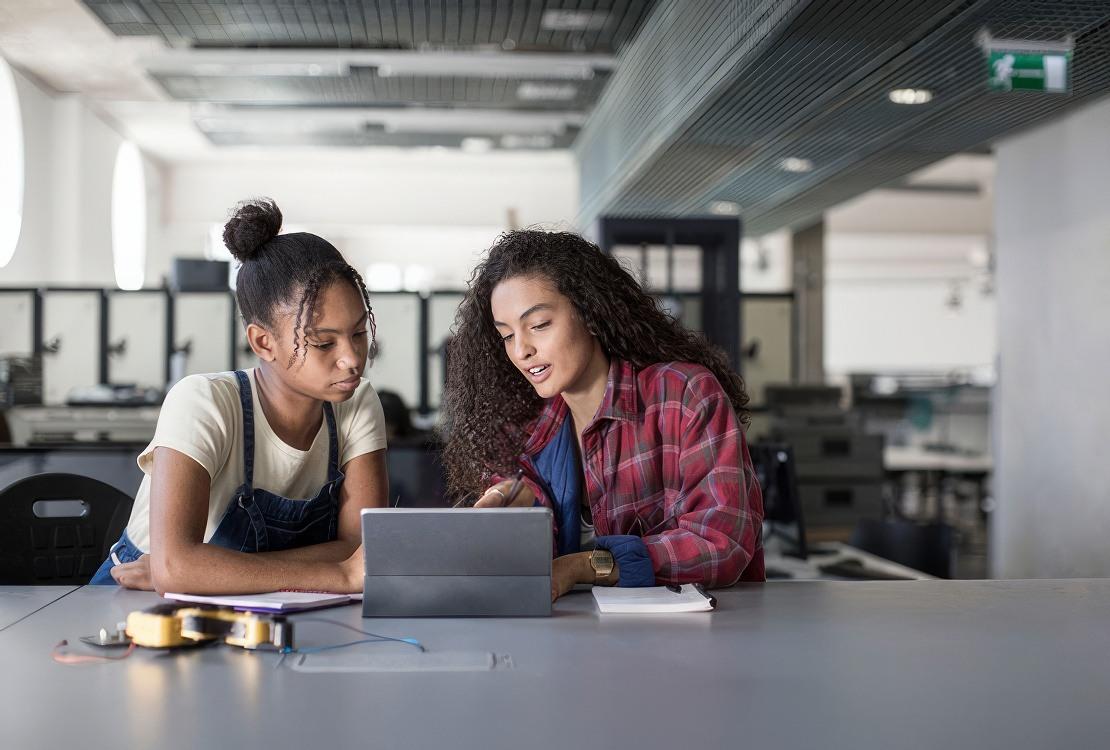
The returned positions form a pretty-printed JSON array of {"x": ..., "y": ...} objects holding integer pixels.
[{"x": 665, "y": 459}]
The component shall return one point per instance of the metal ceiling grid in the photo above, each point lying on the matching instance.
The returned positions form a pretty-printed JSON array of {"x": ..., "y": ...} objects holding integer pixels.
[
  {"x": 598, "y": 26},
  {"x": 682, "y": 56},
  {"x": 362, "y": 138},
  {"x": 819, "y": 92},
  {"x": 363, "y": 87}
]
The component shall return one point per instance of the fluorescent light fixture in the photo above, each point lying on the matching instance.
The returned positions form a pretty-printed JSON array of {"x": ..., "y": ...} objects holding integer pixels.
[
  {"x": 573, "y": 20},
  {"x": 461, "y": 122},
  {"x": 724, "y": 208},
  {"x": 476, "y": 145},
  {"x": 911, "y": 96},
  {"x": 268, "y": 68},
  {"x": 527, "y": 141},
  {"x": 491, "y": 65},
  {"x": 555, "y": 92},
  {"x": 794, "y": 164},
  {"x": 387, "y": 63},
  {"x": 11, "y": 174}
]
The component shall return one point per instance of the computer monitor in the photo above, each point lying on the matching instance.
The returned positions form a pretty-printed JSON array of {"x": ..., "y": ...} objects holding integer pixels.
[{"x": 782, "y": 504}]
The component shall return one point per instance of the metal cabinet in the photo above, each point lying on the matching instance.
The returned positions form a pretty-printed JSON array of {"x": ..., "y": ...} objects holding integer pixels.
[
  {"x": 441, "y": 314},
  {"x": 71, "y": 338},
  {"x": 137, "y": 331},
  {"x": 202, "y": 333},
  {"x": 397, "y": 366},
  {"x": 17, "y": 311},
  {"x": 767, "y": 354}
]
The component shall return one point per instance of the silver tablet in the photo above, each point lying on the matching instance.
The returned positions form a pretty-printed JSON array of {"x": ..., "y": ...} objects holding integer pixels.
[{"x": 472, "y": 562}]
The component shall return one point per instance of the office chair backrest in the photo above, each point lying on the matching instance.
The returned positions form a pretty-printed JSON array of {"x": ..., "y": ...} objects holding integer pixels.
[
  {"x": 925, "y": 547},
  {"x": 56, "y": 529}
]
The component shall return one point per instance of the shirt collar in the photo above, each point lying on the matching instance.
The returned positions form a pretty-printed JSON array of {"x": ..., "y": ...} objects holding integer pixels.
[{"x": 620, "y": 402}]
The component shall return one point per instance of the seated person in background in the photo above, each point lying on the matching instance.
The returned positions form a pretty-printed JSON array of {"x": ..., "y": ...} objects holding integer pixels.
[
  {"x": 624, "y": 423},
  {"x": 277, "y": 461},
  {"x": 399, "y": 428},
  {"x": 398, "y": 424}
]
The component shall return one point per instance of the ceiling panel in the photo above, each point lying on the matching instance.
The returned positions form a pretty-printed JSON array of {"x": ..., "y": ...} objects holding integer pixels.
[
  {"x": 364, "y": 87},
  {"x": 600, "y": 26},
  {"x": 817, "y": 90}
]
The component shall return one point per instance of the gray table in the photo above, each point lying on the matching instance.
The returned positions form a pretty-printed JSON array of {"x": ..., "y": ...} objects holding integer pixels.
[
  {"x": 17, "y": 602},
  {"x": 946, "y": 664}
]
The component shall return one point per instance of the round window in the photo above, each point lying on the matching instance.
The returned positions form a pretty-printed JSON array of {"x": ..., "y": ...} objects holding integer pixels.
[
  {"x": 11, "y": 156},
  {"x": 129, "y": 217}
]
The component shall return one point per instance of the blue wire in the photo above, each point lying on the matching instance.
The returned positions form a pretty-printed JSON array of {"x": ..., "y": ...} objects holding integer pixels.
[{"x": 375, "y": 638}]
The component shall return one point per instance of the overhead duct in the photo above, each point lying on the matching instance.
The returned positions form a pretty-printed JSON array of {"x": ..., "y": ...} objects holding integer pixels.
[{"x": 713, "y": 99}]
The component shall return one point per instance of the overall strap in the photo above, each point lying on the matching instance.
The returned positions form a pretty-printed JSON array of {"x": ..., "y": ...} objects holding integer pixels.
[
  {"x": 247, "y": 400},
  {"x": 333, "y": 442}
]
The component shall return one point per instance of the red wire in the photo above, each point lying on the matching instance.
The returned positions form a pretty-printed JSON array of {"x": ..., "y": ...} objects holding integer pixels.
[{"x": 66, "y": 658}]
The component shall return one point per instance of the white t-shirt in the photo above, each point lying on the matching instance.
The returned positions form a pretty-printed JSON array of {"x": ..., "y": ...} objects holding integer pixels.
[{"x": 202, "y": 417}]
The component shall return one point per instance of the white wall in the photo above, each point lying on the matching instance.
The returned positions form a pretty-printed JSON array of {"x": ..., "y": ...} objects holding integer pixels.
[
  {"x": 1051, "y": 405},
  {"x": 896, "y": 259},
  {"x": 69, "y": 155},
  {"x": 426, "y": 207},
  {"x": 440, "y": 209},
  {"x": 897, "y": 302}
]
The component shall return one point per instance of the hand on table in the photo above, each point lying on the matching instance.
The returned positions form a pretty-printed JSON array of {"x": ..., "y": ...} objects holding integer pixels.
[{"x": 134, "y": 575}]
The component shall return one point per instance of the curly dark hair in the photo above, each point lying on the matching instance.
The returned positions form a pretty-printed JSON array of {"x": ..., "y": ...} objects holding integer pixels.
[{"x": 488, "y": 404}]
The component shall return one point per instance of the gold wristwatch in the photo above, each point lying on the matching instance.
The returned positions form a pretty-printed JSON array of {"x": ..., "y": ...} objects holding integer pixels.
[{"x": 601, "y": 560}]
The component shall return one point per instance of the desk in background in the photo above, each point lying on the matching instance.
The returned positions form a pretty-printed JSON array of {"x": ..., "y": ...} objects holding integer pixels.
[
  {"x": 18, "y": 602},
  {"x": 914, "y": 664}
]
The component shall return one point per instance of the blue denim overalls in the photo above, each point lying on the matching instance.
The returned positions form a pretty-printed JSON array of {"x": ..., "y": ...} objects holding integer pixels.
[{"x": 257, "y": 520}]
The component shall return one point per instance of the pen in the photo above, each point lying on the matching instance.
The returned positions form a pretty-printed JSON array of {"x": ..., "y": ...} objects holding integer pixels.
[{"x": 514, "y": 488}]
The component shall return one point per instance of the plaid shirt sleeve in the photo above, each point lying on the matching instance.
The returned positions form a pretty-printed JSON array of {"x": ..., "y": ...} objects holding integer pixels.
[{"x": 718, "y": 506}]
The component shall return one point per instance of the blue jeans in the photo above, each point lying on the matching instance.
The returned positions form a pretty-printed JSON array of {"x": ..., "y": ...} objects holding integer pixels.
[{"x": 123, "y": 551}]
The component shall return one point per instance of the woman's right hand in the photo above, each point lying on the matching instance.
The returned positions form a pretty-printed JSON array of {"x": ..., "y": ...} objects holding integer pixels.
[{"x": 496, "y": 496}]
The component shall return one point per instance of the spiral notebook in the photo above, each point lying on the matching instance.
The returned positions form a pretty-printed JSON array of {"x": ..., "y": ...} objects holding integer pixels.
[{"x": 689, "y": 597}]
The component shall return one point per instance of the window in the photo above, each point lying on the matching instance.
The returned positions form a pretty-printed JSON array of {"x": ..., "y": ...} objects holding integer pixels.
[
  {"x": 129, "y": 217},
  {"x": 11, "y": 175}
]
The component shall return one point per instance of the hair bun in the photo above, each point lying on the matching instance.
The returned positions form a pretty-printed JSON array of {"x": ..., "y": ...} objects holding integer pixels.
[{"x": 254, "y": 223}]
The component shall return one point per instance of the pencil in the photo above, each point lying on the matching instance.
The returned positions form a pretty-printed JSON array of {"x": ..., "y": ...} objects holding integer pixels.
[{"x": 518, "y": 482}]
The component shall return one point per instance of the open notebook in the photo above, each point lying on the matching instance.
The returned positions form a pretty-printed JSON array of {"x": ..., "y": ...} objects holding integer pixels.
[
  {"x": 273, "y": 601},
  {"x": 653, "y": 599}
]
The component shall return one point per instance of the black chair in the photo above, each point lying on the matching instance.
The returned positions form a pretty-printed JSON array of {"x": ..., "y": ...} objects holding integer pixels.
[
  {"x": 56, "y": 529},
  {"x": 925, "y": 547}
]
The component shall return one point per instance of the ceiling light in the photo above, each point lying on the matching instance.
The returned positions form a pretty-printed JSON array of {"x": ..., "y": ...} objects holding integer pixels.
[
  {"x": 527, "y": 141},
  {"x": 724, "y": 208},
  {"x": 556, "y": 92},
  {"x": 794, "y": 164},
  {"x": 573, "y": 20},
  {"x": 283, "y": 69},
  {"x": 515, "y": 66},
  {"x": 476, "y": 145},
  {"x": 911, "y": 96}
]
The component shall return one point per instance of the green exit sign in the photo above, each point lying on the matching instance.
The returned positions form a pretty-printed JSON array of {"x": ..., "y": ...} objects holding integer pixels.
[{"x": 1028, "y": 71}]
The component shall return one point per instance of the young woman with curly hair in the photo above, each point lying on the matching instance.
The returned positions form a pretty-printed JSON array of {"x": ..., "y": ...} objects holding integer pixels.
[
  {"x": 276, "y": 461},
  {"x": 626, "y": 425}
]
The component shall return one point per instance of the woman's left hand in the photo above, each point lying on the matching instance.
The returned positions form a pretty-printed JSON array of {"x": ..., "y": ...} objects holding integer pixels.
[
  {"x": 134, "y": 575},
  {"x": 567, "y": 571}
]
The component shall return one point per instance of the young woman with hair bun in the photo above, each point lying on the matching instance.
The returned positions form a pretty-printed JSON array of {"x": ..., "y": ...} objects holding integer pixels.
[
  {"x": 626, "y": 425},
  {"x": 255, "y": 479}
]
